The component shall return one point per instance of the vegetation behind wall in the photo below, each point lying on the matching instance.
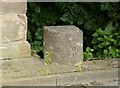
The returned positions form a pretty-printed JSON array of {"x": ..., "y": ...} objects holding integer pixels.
[{"x": 98, "y": 21}]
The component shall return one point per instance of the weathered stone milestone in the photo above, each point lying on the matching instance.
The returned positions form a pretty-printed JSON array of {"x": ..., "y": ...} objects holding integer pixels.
[
  {"x": 63, "y": 44},
  {"x": 13, "y": 30}
]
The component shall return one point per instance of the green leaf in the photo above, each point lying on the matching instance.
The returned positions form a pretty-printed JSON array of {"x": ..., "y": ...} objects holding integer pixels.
[
  {"x": 109, "y": 28},
  {"x": 94, "y": 41},
  {"x": 100, "y": 31},
  {"x": 91, "y": 50},
  {"x": 88, "y": 49},
  {"x": 106, "y": 6},
  {"x": 107, "y": 43},
  {"x": 37, "y": 9},
  {"x": 109, "y": 47},
  {"x": 99, "y": 55},
  {"x": 100, "y": 39},
  {"x": 80, "y": 20},
  {"x": 29, "y": 36},
  {"x": 95, "y": 34},
  {"x": 64, "y": 17},
  {"x": 87, "y": 25},
  {"x": 95, "y": 47},
  {"x": 70, "y": 21},
  {"x": 105, "y": 51},
  {"x": 100, "y": 45}
]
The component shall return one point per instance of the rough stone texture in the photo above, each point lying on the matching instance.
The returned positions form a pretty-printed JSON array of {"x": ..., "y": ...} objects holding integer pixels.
[
  {"x": 0, "y": 74},
  {"x": 0, "y": 30},
  {"x": 13, "y": 27},
  {"x": 12, "y": 6},
  {"x": 33, "y": 72},
  {"x": 15, "y": 50},
  {"x": 63, "y": 44},
  {"x": 31, "y": 67},
  {"x": 89, "y": 78}
]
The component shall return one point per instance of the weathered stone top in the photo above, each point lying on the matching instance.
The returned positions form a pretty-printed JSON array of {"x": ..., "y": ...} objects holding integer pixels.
[
  {"x": 63, "y": 29},
  {"x": 13, "y": 6}
]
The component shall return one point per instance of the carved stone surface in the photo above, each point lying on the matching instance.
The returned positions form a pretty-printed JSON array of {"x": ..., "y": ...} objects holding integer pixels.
[{"x": 63, "y": 44}]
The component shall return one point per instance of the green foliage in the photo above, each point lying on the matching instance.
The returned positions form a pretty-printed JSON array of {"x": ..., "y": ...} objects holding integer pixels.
[
  {"x": 105, "y": 45},
  {"x": 39, "y": 15},
  {"x": 89, "y": 17},
  {"x": 88, "y": 54}
]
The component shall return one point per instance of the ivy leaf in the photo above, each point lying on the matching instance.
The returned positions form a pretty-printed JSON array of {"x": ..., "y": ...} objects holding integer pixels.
[
  {"x": 109, "y": 28},
  {"x": 64, "y": 17},
  {"x": 94, "y": 41},
  {"x": 70, "y": 21},
  {"x": 95, "y": 34},
  {"x": 95, "y": 47},
  {"x": 100, "y": 45},
  {"x": 80, "y": 19},
  {"x": 29, "y": 36},
  {"x": 37, "y": 9},
  {"x": 106, "y": 6},
  {"x": 107, "y": 43},
  {"x": 100, "y": 39},
  {"x": 105, "y": 51},
  {"x": 87, "y": 25}
]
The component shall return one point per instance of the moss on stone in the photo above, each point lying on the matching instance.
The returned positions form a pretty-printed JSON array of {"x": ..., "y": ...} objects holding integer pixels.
[
  {"x": 79, "y": 65},
  {"x": 44, "y": 71},
  {"x": 48, "y": 57}
]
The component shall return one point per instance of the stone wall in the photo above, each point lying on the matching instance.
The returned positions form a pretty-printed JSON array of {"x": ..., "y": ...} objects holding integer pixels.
[{"x": 13, "y": 29}]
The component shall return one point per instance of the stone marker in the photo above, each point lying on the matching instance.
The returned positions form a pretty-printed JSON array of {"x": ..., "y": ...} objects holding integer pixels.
[
  {"x": 13, "y": 28},
  {"x": 63, "y": 44}
]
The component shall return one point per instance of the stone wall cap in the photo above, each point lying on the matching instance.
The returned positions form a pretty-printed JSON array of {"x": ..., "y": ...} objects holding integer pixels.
[
  {"x": 13, "y": 0},
  {"x": 69, "y": 28}
]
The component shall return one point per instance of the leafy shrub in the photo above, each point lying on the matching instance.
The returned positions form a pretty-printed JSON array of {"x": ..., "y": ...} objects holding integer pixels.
[
  {"x": 88, "y": 54},
  {"x": 39, "y": 16},
  {"x": 105, "y": 45},
  {"x": 89, "y": 17}
]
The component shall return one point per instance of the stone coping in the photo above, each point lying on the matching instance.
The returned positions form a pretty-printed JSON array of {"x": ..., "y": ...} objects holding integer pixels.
[{"x": 15, "y": 69}]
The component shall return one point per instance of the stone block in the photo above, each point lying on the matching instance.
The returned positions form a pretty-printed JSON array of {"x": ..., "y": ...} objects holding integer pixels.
[
  {"x": 13, "y": 27},
  {"x": 13, "y": 6},
  {"x": 18, "y": 49},
  {"x": 63, "y": 44}
]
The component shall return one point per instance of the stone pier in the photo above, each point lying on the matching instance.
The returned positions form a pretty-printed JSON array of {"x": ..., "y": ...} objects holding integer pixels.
[{"x": 13, "y": 29}]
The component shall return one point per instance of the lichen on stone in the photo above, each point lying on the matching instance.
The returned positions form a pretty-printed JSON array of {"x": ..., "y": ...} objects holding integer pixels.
[
  {"x": 48, "y": 57},
  {"x": 79, "y": 65},
  {"x": 44, "y": 71}
]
